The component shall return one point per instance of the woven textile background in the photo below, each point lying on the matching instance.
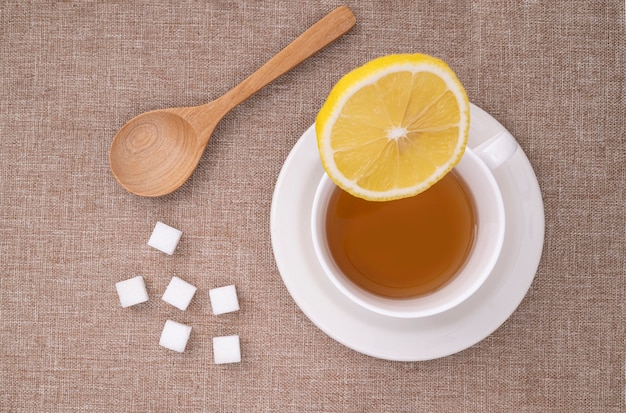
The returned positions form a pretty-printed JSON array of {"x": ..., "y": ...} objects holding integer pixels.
[{"x": 72, "y": 73}]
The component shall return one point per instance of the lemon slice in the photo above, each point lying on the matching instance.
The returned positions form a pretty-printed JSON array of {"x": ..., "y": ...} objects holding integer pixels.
[{"x": 393, "y": 127}]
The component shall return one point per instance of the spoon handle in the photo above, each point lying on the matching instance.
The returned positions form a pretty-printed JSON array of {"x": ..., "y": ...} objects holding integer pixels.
[{"x": 325, "y": 31}]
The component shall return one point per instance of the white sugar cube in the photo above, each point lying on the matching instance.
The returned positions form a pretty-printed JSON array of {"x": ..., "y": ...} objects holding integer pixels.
[
  {"x": 226, "y": 349},
  {"x": 224, "y": 299},
  {"x": 179, "y": 293},
  {"x": 175, "y": 336},
  {"x": 132, "y": 291},
  {"x": 164, "y": 238}
]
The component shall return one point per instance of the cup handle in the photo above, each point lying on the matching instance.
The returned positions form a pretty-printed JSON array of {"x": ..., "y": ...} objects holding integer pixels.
[{"x": 497, "y": 150}]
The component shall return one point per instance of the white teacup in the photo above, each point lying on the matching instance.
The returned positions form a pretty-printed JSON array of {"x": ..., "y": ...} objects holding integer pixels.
[{"x": 476, "y": 172}]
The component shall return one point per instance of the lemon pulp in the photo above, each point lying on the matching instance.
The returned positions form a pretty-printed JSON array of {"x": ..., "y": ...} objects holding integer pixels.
[{"x": 393, "y": 127}]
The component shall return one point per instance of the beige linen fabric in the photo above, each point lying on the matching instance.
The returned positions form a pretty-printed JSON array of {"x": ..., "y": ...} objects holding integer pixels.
[{"x": 72, "y": 73}]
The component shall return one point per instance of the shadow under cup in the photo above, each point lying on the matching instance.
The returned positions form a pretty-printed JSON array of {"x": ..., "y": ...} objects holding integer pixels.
[{"x": 488, "y": 237}]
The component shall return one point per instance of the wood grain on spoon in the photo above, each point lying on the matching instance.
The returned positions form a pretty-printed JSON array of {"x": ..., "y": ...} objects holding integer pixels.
[{"x": 156, "y": 152}]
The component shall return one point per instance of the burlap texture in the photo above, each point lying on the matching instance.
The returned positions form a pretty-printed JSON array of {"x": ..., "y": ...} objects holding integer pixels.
[{"x": 72, "y": 73}]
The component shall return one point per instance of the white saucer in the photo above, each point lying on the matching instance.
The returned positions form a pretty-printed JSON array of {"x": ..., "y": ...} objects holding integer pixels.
[{"x": 407, "y": 339}]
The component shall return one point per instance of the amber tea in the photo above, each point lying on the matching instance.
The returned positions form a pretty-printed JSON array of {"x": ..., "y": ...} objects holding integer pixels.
[{"x": 404, "y": 248}]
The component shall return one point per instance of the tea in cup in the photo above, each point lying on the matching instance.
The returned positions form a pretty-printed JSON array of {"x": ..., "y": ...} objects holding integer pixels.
[{"x": 416, "y": 256}]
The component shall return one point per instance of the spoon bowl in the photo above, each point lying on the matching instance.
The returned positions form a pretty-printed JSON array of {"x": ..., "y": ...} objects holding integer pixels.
[{"x": 154, "y": 153}]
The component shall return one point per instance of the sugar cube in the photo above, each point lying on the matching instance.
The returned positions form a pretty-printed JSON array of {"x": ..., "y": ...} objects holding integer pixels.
[
  {"x": 226, "y": 349},
  {"x": 179, "y": 293},
  {"x": 132, "y": 291},
  {"x": 224, "y": 299},
  {"x": 164, "y": 238},
  {"x": 175, "y": 336}
]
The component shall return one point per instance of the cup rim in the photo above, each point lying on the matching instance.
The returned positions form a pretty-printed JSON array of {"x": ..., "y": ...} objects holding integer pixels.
[{"x": 421, "y": 306}]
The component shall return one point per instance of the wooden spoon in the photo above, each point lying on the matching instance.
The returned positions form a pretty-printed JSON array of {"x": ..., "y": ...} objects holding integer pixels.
[{"x": 156, "y": 152}]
